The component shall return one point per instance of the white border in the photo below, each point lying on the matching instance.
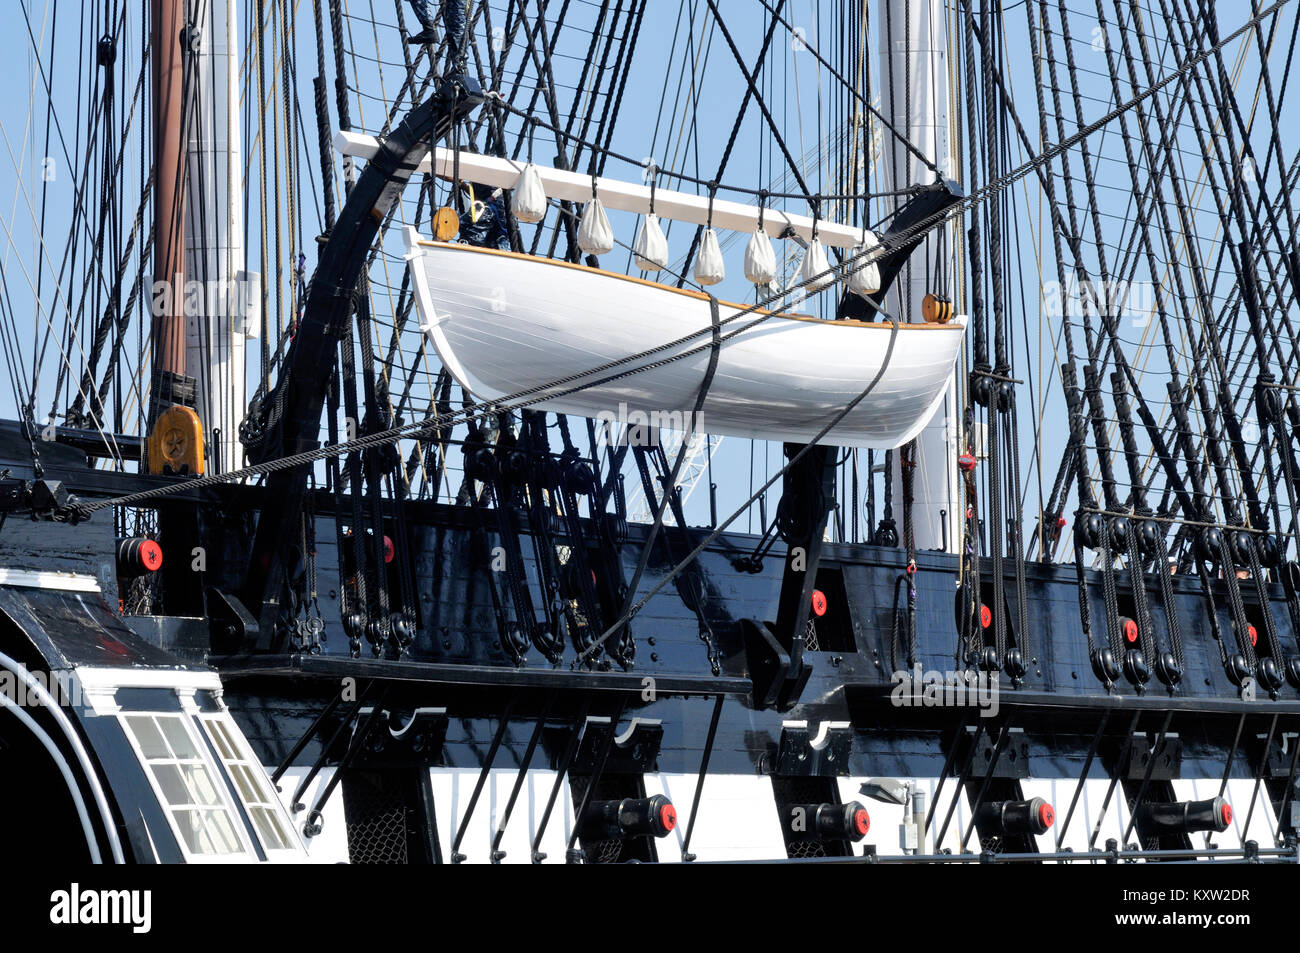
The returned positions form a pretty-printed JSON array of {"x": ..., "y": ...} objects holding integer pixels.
[
  {"x": 100, "y": 678},
  {"x": 42, "y": 579}
]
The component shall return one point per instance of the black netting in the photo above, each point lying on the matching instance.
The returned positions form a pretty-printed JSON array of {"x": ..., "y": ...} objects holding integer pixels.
[
  {"x": 810, "y": 640},
  {"x": 805, "y": 848},
  {"x": 376, "y": 820},
  {"x": 603, "y": 851}
]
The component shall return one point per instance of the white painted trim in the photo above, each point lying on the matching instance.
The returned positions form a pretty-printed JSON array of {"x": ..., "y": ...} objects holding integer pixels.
[
  {"x": 824, "y": 730},
  {"x": 188, "y": 704},
  {"x": 415, "y": 716},
  {"x": 635, "y": 723},
  {"x": 65, "y": 769},
  {"x": 102, "y": 700},
  {"x": 42, "y": 579},
  {"x": 78, "y": 747},
  {"x": 97, "y": 679},
  {"x": 616, "y": 194}
]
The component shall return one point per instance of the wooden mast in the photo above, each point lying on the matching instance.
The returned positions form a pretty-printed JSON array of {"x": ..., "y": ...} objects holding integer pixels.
[
  {"x": 176, "y": 435},
  {"x": 169, "y": 201}
]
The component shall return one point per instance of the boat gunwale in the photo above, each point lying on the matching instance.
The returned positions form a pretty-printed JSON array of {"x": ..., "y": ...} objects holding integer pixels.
[{"x": 699, "y": 295}]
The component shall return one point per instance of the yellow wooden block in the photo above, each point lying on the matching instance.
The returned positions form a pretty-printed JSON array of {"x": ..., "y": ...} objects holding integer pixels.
[
  {"x": 176, "y": 443},
  {"x": 936, "y": 310},
  {"x": 446, "y": 223}
]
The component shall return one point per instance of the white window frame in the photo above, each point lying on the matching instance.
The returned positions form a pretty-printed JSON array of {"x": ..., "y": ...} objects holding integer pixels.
[
  {"x": 246, "y": 854},
  {"x": 245, "y": 757}
]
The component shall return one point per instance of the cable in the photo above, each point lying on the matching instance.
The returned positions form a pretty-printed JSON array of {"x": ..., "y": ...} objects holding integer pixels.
[{"x": 717, "y": 531}]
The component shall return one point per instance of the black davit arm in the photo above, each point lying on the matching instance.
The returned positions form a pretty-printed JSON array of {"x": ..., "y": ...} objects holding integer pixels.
[
  {"x": 927, "y": 202},
  {"x": 775, "y": 650},
  {"x": 289, "y": 422}
]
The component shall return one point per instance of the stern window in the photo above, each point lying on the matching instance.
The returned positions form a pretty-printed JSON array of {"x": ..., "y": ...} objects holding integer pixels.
[
  {"x": 199, "y": 813},
  {"x": 253, "y": 786}
]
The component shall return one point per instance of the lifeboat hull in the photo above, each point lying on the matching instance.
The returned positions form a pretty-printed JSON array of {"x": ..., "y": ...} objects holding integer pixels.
[{"x": 503, "y": 323}]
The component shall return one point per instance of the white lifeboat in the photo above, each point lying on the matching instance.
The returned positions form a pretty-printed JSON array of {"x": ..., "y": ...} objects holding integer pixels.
[{"x": 503, "y": 322}]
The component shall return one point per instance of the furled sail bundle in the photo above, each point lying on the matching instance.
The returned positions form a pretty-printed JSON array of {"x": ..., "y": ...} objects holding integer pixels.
[
  {"x": 595, "y": 236},
  {"x": 864, "y": 273},
  {"x": 815, "y": 269},
  {"x": 528, "y": 201},
  {"x": 709, "y": 267},
  {"x": 651, "y": 249},
  {"x": 760, "y": 259}
]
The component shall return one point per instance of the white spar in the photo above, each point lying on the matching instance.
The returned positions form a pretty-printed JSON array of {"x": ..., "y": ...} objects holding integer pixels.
[{"x": 616, "y": 194}]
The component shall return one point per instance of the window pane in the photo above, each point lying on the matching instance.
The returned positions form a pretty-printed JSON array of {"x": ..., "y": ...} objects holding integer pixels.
[
  {"x": 268, "y": 828},
  {"x": 207, "y": 832},
  {"x": 222, "y": 831},
  {"x": 244, "y": 781},
  {"x": 222, "y": 739},
  {"x": 190, "y": 825},
  {"x": 261, "y": 783},
  {"x": 174, "y": 790},
  {"x": 151, "y": 741},
  {"x": 285, "y": 837},
  {"x": 202, "y": 790},
  {"x": 179, "y": 739}
]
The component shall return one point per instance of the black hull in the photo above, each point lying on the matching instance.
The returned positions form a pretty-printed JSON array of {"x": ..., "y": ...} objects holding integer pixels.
[{"x": 474, "y": 709}]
